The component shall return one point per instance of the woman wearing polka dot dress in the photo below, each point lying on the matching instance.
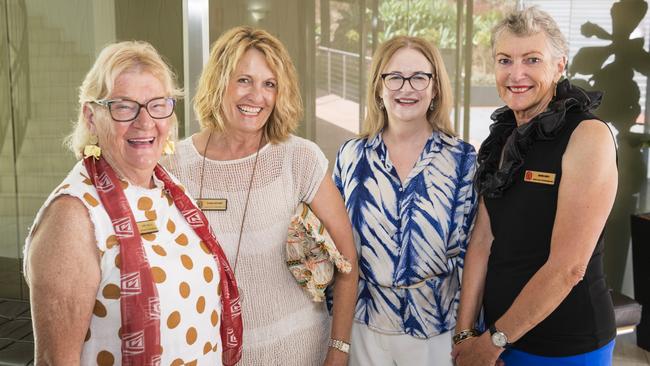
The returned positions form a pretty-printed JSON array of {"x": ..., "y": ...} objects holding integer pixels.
[
  {"x": 249, "y": 173},
  {"x": 122, "y": 266}
]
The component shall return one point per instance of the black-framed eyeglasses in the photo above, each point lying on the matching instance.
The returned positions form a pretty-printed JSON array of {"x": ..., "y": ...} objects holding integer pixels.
[
  {"x": 126, "y": 110},
  {"x": 418, "y": 81}
]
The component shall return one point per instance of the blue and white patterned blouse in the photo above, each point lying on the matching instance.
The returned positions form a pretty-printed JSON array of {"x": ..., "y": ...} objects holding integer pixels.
[{"x": 411, "y": 237}]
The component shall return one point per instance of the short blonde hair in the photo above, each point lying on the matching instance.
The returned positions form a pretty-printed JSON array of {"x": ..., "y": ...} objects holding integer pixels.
[
  {"x": 112, "y": 61},
  {"x": 528, "y": 22},
  {"x": 226, "y": 53},
  {"x": 376, "y": 118}
]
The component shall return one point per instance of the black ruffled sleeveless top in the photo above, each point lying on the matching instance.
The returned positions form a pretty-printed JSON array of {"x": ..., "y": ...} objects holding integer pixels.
[
  {"x": 522, "y": 214},
  {"x": 515, "y": 141}
]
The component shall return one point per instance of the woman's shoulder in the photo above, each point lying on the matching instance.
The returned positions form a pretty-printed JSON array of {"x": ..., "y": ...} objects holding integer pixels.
[
  {"x": 456, "y": 144},
  {"x": 300, "y": 147},
  {"x": 185, "y": 149}
]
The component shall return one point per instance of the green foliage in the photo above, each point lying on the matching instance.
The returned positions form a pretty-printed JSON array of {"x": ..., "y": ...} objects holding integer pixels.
[{"x": 433, "y": 20}]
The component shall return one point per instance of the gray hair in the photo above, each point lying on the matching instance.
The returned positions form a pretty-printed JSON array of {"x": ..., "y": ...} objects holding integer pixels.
[{"x": 530, "y": 21}]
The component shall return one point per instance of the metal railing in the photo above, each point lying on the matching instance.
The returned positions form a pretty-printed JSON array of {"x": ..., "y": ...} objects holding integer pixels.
[{"x": 338, "y": 72}]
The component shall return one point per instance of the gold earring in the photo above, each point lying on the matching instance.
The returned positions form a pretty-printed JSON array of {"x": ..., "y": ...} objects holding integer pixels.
[
  {"x": 92, "y": 149},
  {"x": 381, "y": 104},
  {"x": 169, "y": 147},
  {"x": 554, "y": 89}
]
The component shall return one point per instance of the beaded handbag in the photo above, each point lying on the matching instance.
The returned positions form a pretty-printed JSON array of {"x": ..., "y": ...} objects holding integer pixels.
[{"x": 311, "y": 253}]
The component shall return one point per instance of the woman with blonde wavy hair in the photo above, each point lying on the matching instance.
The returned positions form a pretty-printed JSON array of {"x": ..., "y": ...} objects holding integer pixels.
[
  {"x": 407, "y": 186},
  {"x": 249, "y": 173}
]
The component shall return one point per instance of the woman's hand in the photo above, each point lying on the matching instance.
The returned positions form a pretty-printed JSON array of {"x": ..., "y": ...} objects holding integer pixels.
[
  {"x": 478, "y": 351},
  {"x": 335, "y": 358}
]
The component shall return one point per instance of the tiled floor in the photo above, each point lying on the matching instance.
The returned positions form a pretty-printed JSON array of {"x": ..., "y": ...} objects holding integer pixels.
[
  {"x": 626, "y": 352},
  {"x": 16, "y": 338}
]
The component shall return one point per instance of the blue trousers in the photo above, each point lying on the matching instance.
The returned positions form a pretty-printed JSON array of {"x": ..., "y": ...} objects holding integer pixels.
[{"x": 599, "y": 357}]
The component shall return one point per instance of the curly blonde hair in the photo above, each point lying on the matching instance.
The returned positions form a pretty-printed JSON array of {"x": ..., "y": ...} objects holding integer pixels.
[
  {"x": 226, "y": 53},
  {"x": 376, "y": 118},
  {"x": 112, "y": 61}
]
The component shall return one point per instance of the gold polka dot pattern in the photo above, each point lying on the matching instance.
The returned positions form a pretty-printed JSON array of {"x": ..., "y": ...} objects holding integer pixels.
[
  {"x": 173, "y": 320},
  {"x": 99, "y": 309},
  {"x": 182, "y": 240},
  {"x": 111, "y": 291},
  {"x": 190, "y": 336},
  {"x": 187, "y": 261},
  {"x": 105, "y": 358},
  {"x": 149, "y": 237},
  {"x": 111, "y": 241},
  {"x": 159, "y": 250},
  {"x": 159, "y": 275},
  {"x": 151, "y": 215},
  {"x": 145, "y": 203},
  {"x": 208, "y": 274},
  {"x": 207, "y": 348},
  {"x": 214, "y": 318},
  {"x": 91, "y": 200},
  {"x": 184, "y": 290},
  {"x": 200, "y": 304}
]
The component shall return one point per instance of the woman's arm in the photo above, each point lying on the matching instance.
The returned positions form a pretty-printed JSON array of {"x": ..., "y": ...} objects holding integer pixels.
[
  {"x": 586, "y": 195},
  {"x": 474, "y": 272},
  {"x": 329, "y": 208},
  {"x": 63, "y": 274}
]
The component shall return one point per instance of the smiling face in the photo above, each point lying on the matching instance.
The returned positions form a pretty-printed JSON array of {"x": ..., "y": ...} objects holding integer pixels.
[
  {"x": 526, "y": 73},
  {"x": 132, "y": 148},
  {"x": 250, "y": 95},
  {"x": 407, "y": 104}
]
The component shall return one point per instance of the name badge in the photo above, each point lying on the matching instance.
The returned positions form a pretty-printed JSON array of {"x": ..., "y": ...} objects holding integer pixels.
[
  {"x": 539, "y": 177},
  {"x": 147, "y": 227},
  {"x": 212, "y": 204}
]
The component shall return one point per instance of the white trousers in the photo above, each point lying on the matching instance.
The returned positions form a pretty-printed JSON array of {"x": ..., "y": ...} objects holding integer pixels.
[{"x": 371, "y": 348}]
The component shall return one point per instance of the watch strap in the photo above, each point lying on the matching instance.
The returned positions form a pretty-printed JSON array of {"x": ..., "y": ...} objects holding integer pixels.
[{"x": 339, "y": 345}]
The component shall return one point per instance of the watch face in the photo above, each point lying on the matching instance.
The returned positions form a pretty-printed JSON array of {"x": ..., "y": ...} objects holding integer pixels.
[{"x": 499, "y": 339}]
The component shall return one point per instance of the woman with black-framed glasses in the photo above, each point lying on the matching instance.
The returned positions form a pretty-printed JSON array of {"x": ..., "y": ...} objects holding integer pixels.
[
  {"x": 122, "y": 266},
  {"x": 407, "y": 185}
]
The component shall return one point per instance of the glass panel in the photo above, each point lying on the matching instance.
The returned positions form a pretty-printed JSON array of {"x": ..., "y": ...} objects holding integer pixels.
[
  {"x": 162, "y": 27},
  {"x": 340, "y": 79},
  {"x": 483, "y": 94},
  {"x": 10, "y": 283}
]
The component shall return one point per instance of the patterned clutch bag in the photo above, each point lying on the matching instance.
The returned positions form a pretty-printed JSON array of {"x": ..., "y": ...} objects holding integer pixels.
[{"x": 311, "y": 253}]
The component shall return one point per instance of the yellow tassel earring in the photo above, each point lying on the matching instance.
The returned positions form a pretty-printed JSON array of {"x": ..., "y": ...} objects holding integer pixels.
[
  {"x": 169, "y": 147},
  {"x": 92, "y": 149}
]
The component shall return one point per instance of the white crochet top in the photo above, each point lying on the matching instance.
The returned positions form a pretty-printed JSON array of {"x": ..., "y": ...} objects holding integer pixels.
[{"x": 282, "y": 326}]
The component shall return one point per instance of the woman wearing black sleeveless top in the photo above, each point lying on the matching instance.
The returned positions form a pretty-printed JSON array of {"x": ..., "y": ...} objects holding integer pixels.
[{"x": 547, "y": 178}]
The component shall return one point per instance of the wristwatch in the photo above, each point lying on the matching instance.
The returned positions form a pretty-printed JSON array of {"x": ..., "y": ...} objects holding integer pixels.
[
  {"x": 339, "y": 345},
  {"x": 499, "y": 338}
]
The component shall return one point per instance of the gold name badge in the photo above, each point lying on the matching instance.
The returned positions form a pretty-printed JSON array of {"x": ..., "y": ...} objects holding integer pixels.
[
  {"x": 212, "y": 204},
  {"x": 147, "y": 227},
  {"x": 539, "y": 177}
]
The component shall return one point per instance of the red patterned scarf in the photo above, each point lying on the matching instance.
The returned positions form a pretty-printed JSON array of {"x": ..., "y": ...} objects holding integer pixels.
[{"x": 139, "y": 301}]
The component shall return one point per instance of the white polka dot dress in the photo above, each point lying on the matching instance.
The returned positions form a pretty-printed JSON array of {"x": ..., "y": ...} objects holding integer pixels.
[{"x": 185, "y": 273}]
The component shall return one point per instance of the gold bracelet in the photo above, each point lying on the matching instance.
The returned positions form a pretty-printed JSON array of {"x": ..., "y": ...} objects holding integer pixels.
[
  {"x": 464, "y": 335},
  {"x": 339, "y": 345}
]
